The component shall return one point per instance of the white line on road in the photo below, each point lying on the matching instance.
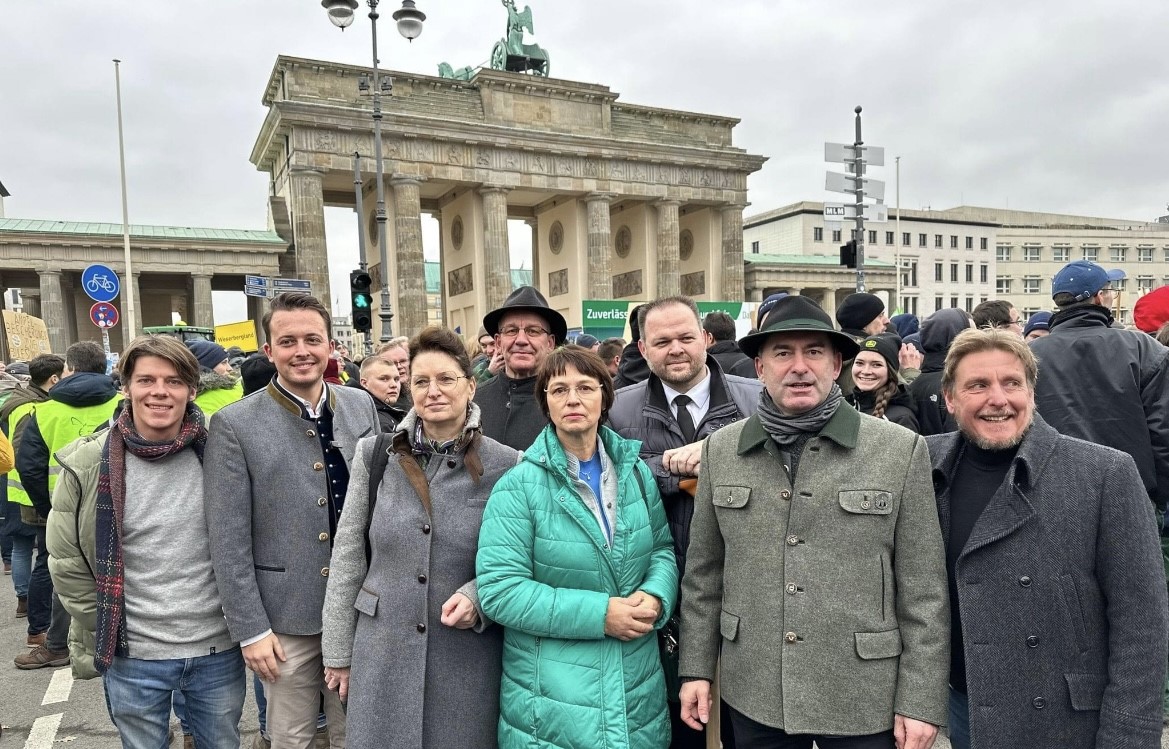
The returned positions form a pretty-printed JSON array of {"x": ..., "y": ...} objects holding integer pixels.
[
  {"x": 44, "y": 732},
  {"x": 59, "y": 687}
]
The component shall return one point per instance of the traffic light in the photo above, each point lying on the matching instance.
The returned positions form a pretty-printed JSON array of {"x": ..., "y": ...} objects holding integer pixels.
[
  {"x": 848, "y": 254},
  {"x": 362, "y": 299}
]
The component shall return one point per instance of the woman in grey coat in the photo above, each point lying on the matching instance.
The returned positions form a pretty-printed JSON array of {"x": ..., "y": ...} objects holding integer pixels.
[{"x": 405, "y": 641}]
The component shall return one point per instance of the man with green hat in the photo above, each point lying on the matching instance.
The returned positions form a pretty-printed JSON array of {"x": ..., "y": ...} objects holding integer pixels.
[{"x": 816, "y": 566}]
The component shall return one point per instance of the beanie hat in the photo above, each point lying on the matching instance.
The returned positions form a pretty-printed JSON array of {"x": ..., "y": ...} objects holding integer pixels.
[
  {"x": 887, "y": 345},
  {"x": 584, "y": 340},
  {"x": 858, "y": 310},
  {"x": 1149, "y": 313},
  {"x": 906, "y": 324},
  {"x": 1037, "y": 321},
  {"x": 256, "y": 372},
  {"x": 767, "y": 305},
  {"x": 209, "y": 354}
]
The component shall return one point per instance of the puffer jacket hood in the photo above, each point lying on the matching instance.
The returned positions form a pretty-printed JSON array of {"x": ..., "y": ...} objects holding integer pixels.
[
  {"x": 82, "y": 389},
  {"x": 214, "y": 381},
  {"x": 937, "y": 333}
]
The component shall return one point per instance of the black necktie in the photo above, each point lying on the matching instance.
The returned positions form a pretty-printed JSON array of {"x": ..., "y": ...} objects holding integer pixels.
[{"x": 685, "y": 420}]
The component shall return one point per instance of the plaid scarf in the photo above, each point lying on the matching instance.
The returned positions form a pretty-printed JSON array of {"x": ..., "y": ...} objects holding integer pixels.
[{"x": 111, "y": 503}]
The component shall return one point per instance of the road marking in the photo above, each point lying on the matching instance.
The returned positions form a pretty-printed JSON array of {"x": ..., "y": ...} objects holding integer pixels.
[
  {"x": 59, "y": 687},
  {"x": 44, "y": 732}
]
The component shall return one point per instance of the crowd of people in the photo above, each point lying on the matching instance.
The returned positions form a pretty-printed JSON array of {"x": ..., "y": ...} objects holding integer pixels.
[{"x": 857, "y": 531}]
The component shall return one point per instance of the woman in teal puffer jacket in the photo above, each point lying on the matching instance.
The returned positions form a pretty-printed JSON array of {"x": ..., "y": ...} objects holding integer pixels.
[{"x": 576, "y": 562}]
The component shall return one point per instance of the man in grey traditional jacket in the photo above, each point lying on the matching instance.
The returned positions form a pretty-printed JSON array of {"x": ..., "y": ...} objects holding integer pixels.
[
  {"x": 1057, "y": 591},
  {"x": 815, "y": 564}
]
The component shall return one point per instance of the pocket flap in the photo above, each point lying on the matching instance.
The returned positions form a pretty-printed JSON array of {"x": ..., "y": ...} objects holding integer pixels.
[
  {"x": 1086, "y": 690},
  {"x": 874, "y": 645},
  {"x": 366, "y": 602},
  {"x": 731, "y": 496},
  {"x": 866, "y": 501},
  {"x": 728, "y": 625}
]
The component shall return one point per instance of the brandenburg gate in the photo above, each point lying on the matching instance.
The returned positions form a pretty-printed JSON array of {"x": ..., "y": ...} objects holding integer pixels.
[{"x": 624, "y": 201}]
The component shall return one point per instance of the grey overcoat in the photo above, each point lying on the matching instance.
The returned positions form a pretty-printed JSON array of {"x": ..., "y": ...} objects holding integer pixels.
[
  {"x": 413, "y": 681},
  {"x": 828, "y": 598},
  {"x": 1063, "y": 601},
  {"x": 265, "y": 491}
]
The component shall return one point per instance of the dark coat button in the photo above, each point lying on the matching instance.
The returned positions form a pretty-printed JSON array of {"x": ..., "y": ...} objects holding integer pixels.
[
  {"x": 1032, "y": 641},
  {"x": 450, "y": 463},
  {"x": 426, "y": 528},
  {"x": 1038, "y": 703},
  {"x": 422, "y": 578},
  {"x": 1025, "y": 581},
  {"x": 421, "y": 628}
]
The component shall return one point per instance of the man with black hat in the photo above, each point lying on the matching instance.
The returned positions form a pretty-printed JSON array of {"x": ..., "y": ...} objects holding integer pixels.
[
  {"x": 525, "y": 329},
  {"x": 841, "y": 630}
]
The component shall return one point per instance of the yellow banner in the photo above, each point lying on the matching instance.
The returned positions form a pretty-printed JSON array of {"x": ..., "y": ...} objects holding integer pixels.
[
  {"x": 242, "y": 334},
  {"x": 25, "y": 336}
]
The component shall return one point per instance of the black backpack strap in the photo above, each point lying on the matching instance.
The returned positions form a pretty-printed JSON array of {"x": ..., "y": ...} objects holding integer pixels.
[{"x": 377, "y": 469}]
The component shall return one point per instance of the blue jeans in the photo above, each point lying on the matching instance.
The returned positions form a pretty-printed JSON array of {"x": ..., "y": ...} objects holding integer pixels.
[
  {"x": 959, "y": 720},
  {"x": 40, "y": 589},
  {"x": 22, "y": 562},
  {"x": 139, "y": 693}
]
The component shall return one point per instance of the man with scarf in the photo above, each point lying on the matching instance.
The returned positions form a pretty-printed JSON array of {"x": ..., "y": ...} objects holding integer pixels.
[
  {"x": 131, "y": 559},
  {"x": 816, "y": 566}
]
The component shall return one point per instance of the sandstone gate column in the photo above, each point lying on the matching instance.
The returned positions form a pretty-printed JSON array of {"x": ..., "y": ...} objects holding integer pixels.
[
  {"x": 536, "y": 280},
  {"x": 600, "y": 274},
  {"x": 32, "y": 302},
  {"x": 53, "y": 310},
  {"x": 410, "y": 316},
  {"x": 732, "y": 220},
  {"x": 669, "y": 283},
  {"x": 308, "y": 231},
  {"x": 495, "y": 245},
  {"x": 202, "y": 310}
]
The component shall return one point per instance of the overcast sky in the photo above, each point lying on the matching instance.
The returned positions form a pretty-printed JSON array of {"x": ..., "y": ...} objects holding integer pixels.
[{"x": 1051, "y": 105}]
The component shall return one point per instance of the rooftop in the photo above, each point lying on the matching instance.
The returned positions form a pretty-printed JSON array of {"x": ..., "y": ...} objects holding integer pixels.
[
  {"x": 832, "y": 260},
  {"x": 142, "y": 231}
]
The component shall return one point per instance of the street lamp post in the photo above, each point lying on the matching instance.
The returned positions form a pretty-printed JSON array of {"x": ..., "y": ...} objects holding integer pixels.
[{"x": 409, "y": 20}]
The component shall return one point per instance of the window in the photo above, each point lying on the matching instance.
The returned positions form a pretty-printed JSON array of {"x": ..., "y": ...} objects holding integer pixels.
[
  {"x": 1123, "y": 318},
  {"x": 836, "y": 235},
  {"x": 1144, "y": 283},
  {"x": 953, "y": 241},
  {"x": 1144, "y": 254},
  {"x": 939, "y": 272},
  {"x": 889, "y": 239},
  {"x": 954, "y": 272},
  {"x": 1032, "y": 285},
  {"x": 910, "y": 304},
  {"x": 1061, "y": 254},
  {"x": 755, "y": 248},
  {"x": 921, "y": 240},
  {"x": 1028, "y": 311},
  {"x": 953, "y": 302},
  {"x": 913, "y": 276},
  {"x": 1167, "y": 254},
  {"x": 872, "y": 237},
  {"x": 1091, "y": 254},
  {"x": 1002, "y": 286},
  {"x": 1120, "y": 285},
  {"x": 938, "y": 302},
  {"x": 982, "y": 299},
  {"x": 969, "y": 272},
  {"x": 983, "y": 269},
  {"x": 817, "y": 233},
  {"x": 970, "y": 243},
  {"x": 1002, "y": 253},
  {"x": 969, "y": 304},
  {"x": 938, "y": 241},
  {"x": 1032, "y": 254},
  {"x": 905, "y": 238},
  {"x": 982, "y": 243},
  {"x": 1117, "y": 254}
]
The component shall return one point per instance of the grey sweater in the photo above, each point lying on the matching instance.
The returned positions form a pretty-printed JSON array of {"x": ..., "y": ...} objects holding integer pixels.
[{"x": 173, "y": 608}]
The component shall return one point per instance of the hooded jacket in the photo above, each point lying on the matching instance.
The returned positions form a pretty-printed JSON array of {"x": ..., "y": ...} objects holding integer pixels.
[
  {"x": 216, "y": 391},
  {"x": 632, "y": 369},
  {"x": 898, "y": 410},
  {"x": 732, "y": 359},
  {"x": 937, "y": 333},
  {"x": 1107, "y": 386}
]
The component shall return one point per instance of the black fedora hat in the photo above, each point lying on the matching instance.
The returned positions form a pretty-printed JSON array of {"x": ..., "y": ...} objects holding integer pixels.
[
  {"x": 527, "y": 299},
  {"x": 798, "y": 314}
]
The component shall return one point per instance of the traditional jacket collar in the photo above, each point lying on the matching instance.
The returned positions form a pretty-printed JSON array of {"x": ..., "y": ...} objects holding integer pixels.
[
  {"x": 842, "y": 428},
  {"x": 294, "y": 405}
]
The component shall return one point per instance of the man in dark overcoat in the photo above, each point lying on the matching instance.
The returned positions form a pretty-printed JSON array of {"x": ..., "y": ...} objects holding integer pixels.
[{"x": 1057, "y": 593}]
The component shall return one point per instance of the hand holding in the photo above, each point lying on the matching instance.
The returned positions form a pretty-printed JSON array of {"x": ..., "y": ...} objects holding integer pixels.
[
  {"x": 909, "y": 733},
  {"x": 264, "y": 656},
  {"x": 695, "y": 697},
  {"x": 459, "y": 612},
  {"x": 622, "y": 622},
  {"x": 683, "y": 461},
  {"x": 338, "y": 678}
]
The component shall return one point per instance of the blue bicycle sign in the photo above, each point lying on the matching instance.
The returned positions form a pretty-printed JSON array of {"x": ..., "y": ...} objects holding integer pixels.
[{"x": 100, "y": 283}]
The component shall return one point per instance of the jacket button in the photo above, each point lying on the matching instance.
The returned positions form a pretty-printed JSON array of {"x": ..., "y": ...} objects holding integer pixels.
[
  {"x": 450, "y": 463},
  {"x": 790, "y": 637},
  {"x": 793, "y": 540},
  {"x": 785, "y": 494},
  {"x": 324, "y": 571},
  {"x": 323, "y": 537},
  {"x": 422, "y": 578},
  {"x": 420, "y": 627},
  {"x": 318, "y": 466},
  {"x": 1025, "y": 581},
  {"x": 1032, "y": 641},
  {"x": 426, "y": 528},
  {"x": 311, "y": 433},
  {"x": 791, "y": 588},
  {"x": 1038, "y": 703},
  {"x": 866, "y": 504},
  {"x": 321, "y": 501}
]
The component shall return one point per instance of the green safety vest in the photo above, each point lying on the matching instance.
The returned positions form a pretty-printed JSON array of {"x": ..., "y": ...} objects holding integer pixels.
[
  {"x": 16, "y": 492},
  {"x": 60, "y": 424},
  {"x": 210, "y": 401}
]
